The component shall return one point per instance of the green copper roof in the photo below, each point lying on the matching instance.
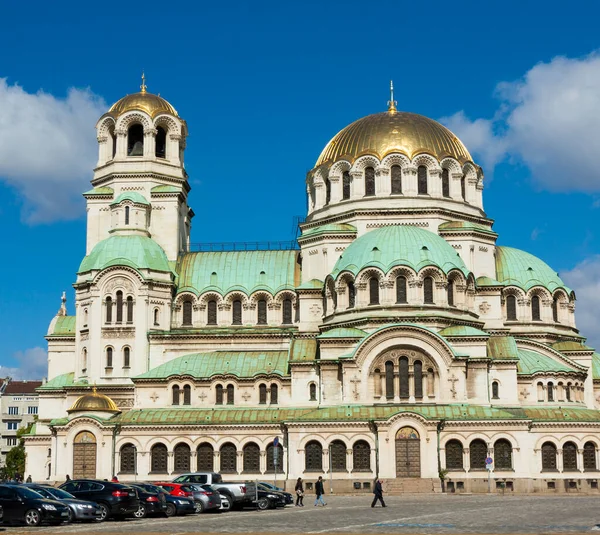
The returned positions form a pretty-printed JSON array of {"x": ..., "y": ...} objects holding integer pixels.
[
  {"x": 238, "y": 363},
  {"x": 462, "y": 330},
  {"x": 518, "y": 268},
  {"x": 303, "y": 350},
  {"x": 65, "y": 325},
  {"x": 132, "y": 196},
  {"x": 331, "y": 228},
  {"x": 139, "y": 252},
  {"x": 465, "y": 226},
  {"x": 343, "y": 332},
  {"x": 311, "y": 284},
  {"x": 165, "y": 189},
  {"x": 99, "y": 191},
  {"x": 399, "y": 245},
  {"x": 531, "y": 362},
  {"x": 502, "y": 347},
  {"x": 571, "y": 346},
  {"x": 596, "y": 366},
  {"x": 60, "y": 381},
  {"x": 487, "y": 281},
  {"x": 246, "y": 271},
  {"x": 555, "y": 414}
]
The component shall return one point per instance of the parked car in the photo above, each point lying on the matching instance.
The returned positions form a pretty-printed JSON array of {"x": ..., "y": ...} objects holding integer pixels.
[
  {"x": 272, "y": 488},
  {"x": 25, "y": 506},
  {"x": 151, "y": 502},
  {"x": 114, "y": 499},
  {"x": 239, "y": 494},
  {"x": 267, "y": 499},
  {"x": 175, "y": 505},
  {"x": 78, "y": 509},
  {"x": 213, "y": 499},
  {"x": 202, "y": 501}
]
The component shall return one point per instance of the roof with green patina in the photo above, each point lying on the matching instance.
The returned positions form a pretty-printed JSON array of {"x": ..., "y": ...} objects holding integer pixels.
[
  {"x": 570, "y": 345},
  {"x": 555, "y": 414},
  {"x": 465, "y": 226},
  {"x": 487, "y": 281},
  {"x": 343, "y": 332},
  {"x": 58, "y": 382},
  {"x": 462, "y": 330},
  {"x": 138, "y": 252},
  {"x": 311, "y": 284},
  {"x": 519, "y": 268},
  {"x": 64, "y": 326},
  {"x": 531, "y": 362},
  {"x": 303, "y": 350},
  {"x": 596, "y": 366},
  {"x": 399, "y": 245},
  {"x": 105, "y": 190},
  {"x": 132, "y": 196},
  {"x": 246, "y": 271},
  {"x": 502, "y": 348},
  {"x": 331, "y": 228},
  {"x": 165, "y": 189},
  {"x": 237, "y": 363}
]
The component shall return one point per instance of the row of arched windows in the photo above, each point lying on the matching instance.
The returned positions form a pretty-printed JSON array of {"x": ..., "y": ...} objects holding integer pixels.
[
  {"x": 273, "y": 394},
  {"x": 535, "y": 310},
  {"x": 572, "y": 392},
  {"x": 109, "y": 357},
  {"x": 182, "y": 395},
  {"x": 120, "y": 306},
  {"x": 236, "y": 312},
  {"x": 392, "y": 389},
  {"x": 135, "y": 141},
  {"x": 361, "y": 456},
  {"x": 478, "y": 452},
  {"x": 226, "y": 395},
  {"x": 569, "y": 457}
]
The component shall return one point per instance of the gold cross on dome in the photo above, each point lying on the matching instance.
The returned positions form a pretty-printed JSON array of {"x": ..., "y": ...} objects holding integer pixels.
[
  {"x": 143, "y": 86},
  {"x": 392, "y": 103}
]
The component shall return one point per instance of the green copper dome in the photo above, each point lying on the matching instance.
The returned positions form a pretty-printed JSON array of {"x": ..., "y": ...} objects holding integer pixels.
[
  {"x": 398, "y": 245},
  {"x": 138, "y": 252},
  {"x": 132, "y": 196}
]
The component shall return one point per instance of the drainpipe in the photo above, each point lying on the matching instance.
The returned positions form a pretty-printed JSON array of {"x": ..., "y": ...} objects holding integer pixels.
[
  {"x": 489, "y": 366},
  {"x": 440, "y": 428},
  {"x": 54, "y": 448},
  {"x": 373, "y": 428},
  {"x": 286, "y": 441},
  {"x": 116, "y": 431}
]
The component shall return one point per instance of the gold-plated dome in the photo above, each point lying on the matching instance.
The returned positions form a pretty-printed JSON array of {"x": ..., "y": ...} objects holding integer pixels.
[
  {"x": 394, "y": 131},
  {"x": 94, "y": 402},
  {"x": 144, "y": 101}
]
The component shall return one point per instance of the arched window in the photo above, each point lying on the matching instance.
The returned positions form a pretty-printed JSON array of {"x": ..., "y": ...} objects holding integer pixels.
[
  {"x": 287, "y": 311},
  {"x": 219, "y": 395},
  {"x": 346, "y": 179},
  {"x": 396, "y": 179},
  {"x": 555, "y": 310},
  {"x": 156, "y": 316},
  {"x": 327, "y": 191},
  {"x": 119, "y": 306},
  {"x": 158, "y": 459},
  {"x": 361, "y": 456},
  {"x": 337, "y": 450},
  {"x": 271, "y": 458},
  {"x": 569, "y": 457},
  {"x": 127, "y": 215},
  {"x": 211, "y": 314},
  {"x": 550, "y": 388},
  {"x": 312, "y": 391},
  {"x": 463, "y": 188},
  {"x": 535, "y": 308},
  {"x": 373, "y": 291},
  {"x": 135, "y": 140},
  {"x": 568, "y": 391},
  {"x": 324, "y": 299},
  {"x": 251, "y": 458},
  {"x": 176, "y": 393},
  {"x": 129, "y": 309},
  {"x": 261, "y": 309},
  {"x": 205, "y": 458},
  {"x": 313, "y": 457},
  {"x": 84, "y": 360},
  {"x": 454, "y": 455},
  {"x": 445, "y": 183},
  {"x": 274, "y": 394},
  {"x": 369, "y": 182},
  {"x": 477, "y": 454},
  {"x": 187, "y": 395},
  {"x": 403, "y": 371},
  {"x": 428, "y": 290},
  {"x": 422, "y": 180},
  {"x": 495, "y": 390},
  {"x": 126, "y": 357},
  {"x": 113, "y": 141},
  {"x": 548, "y": 456},
  {"x": 511, "y": 308},
  {"x": 161, "y": 143},
  {"x": 589, "y": 456},
  {"x": 127, "y": 459},
  {"x": 236, "y": 318},
  {"x": 181, "y": 457},
  {"x": 401, "y": 293},
  {"x": 418, "y": 376},
  {"x": 262, "y": 394},
  {"x": 109, "y": 357},
  {"x": 351, "y": 294},
  {"x": 230, "y": 392},
  {"x": 187, "y": 313},
  {"x": 85, "y": 317},
  {"x": 228, "y": 454},
  {"x": 109, "y": 304},
  {"x": 389, "y": 379},
  {"x": 502, "y": 455},
  {"x": 450, "y": 293}
]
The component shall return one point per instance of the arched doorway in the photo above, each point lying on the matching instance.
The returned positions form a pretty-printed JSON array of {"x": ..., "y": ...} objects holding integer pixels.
[
  {"x": 408, "y": 453},
  {"x": 84, "y": 456}
]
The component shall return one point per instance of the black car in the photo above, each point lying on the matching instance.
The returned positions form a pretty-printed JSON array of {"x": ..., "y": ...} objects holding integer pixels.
[
  {"x": 289, "y": 499},
  {"x": 114, "y": 499},
  {"x": 151, "y": 502},
  {"x": 174, "y": 505},
  {"x": 78, "y": 509},
  {"x": 267, "y": 499},
  {"x": 24, "y": 506}
]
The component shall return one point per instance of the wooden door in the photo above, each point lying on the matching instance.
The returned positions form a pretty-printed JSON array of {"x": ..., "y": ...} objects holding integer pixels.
[
  {"x": 84, "y": 456},
  {"x": 408, "y": 453}
]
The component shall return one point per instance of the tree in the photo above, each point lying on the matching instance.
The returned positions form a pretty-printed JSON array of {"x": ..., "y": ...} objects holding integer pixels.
[{"x": 15, "y": 458}]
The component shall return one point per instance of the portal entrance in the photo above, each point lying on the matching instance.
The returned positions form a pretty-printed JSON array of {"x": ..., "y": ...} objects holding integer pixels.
[
  {"x": 408, "y": 453},
  {"x": 84, "y": 456}
]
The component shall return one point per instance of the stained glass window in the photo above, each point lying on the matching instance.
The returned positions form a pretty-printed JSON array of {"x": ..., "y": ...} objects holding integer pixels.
[
  {"x": 187, "y": 312},
  {"x": 589, "y": 456},
  {"x": 535, "y": 308},
  {"x": 418, "y": 376},
  {"x": 313, "y": 392},
  {"x": 274, "y": 394},
  {"x": 369, "y": 182},
  {"x": 109, "y": 304},
  {"x": 373, "y": 291},
  {"x": 187, "y": 395},
  {"x": 403, "y": 370},
  {"x": 569, "y": 457},
  {"x": 237, "y": 312},
  {"x": 262, "y": 394},
  {"x": 271, "y": 458},
  {"x": 230, "y": 392},
  {"x": 219, "y": 395},
  {"x": 401, "y": 293},
  {"x": 428, "y": 290},
  {"x": 450, "y": 293},
  {"x": 262, "y": 312},
  {"x": 211, "y": 318},
  {"x": 129, "y": 309},
  {"x": 495, "y": 390},
  {"x": 351, "y": 294},
  {"x": 422, "y": 179},
  {"x": 175, "y": 391},
  {"x": 109, "y": 357},
  {"x": 346, "y": 185},
  {"x": 287, "y": 311},
  {"x": 389, "y": 379},
  {"x": 445, "y": 183},
  {"x": 511, "y": 308},
  {"x": 119, "y": 306},
  {"x": 396, "y": 179},
  {"x": 126, "y": 357}
]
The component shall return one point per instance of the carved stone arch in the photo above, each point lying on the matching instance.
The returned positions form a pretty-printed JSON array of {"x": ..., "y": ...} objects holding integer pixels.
[
  {"x": 513, "y": 290},
  {"x": 128, "y": 440},
  {"x": 338, "y": 437},
  {"x": 118, "y": 282},
  {"x": 365, "y": 161},
  {"x": 342, "y": 281},
  {"x": 261, "y": 294},
  {"x": 320, "y": 175},
  {"x": 434, "y": 272},
  {"x": 185, "y": 296},
  {"x": 235, "y": 295},
  {"x": 470, "y": 171},
  {"x": 394, "y": 354},
  {"x": 395, "y": 158},
  {"x": 403, "y": 271},
  {"x": 310, "y": 437},
  {"x": 561, "y": 295},
  {"x": 104, "y": 125},
  {"x": 168, "y": 123},
  {"x": 540, "y": 291},
  {"x": 428, "y": 161},
  {"x": 104, "y": 276},
  {"x": 338, "y": 168},
  {"x": 285, "y": 294},
  {"x": 405, "y": 418},
  {"x": 210, "y": 296},
  {"x": 133, "y": 117},
  {"x": 83, "y": 423},
  {"x": 478, "y": 435},
  {"x": 451, "y": 164},
  {"x": 365, "y": 275}
]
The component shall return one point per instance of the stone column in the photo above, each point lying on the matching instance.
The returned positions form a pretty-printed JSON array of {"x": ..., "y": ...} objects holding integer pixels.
[
  {"x": 263, "y": 462},
  {"x": 349, "y": 461},
  {"x": 383, "y": 185},
  {"x": 470, "y": 192},
  {"x": 409, "y": 180},
  {"x": 357, "y": 186},
  {"x": 170, "y": 462},
  {"x": 239, "y": 464},
  {"x": 455, "y": 187},
  {"x": 121, "y": 143},
  {"x": 149, "y": 143},
  {"x": 580, "y": 460},
  {"x": 430, "y": 384},
  {"x": 319, "y": 195},
  {"x": 216, "y": 460},
  {"x": 336, "y": 189},
  {"x": 435, "y": 183},
  {"x": 559, "y": 460}
]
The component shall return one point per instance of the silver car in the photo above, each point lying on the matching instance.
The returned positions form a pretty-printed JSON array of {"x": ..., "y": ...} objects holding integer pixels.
[
  {"x": 78, "y": 509},
  {"x": 208, "y": 497}
]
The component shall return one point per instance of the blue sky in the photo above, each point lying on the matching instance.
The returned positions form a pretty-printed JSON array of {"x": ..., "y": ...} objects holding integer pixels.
[{"x": 263, "y": 87}]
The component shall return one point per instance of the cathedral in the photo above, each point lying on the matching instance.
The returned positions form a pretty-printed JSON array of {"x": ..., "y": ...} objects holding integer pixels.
[{"x": 394, "y": 338}]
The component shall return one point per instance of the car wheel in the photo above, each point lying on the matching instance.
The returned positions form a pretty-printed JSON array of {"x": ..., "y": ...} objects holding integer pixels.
[
  {"x": 71, "y": 517},
  {"x": 199, "y": 506},
  {"x": 263, "y": 504},
  {"x": 104, "y": 512},
  {"x": 141, "y": 512},
  {"x": 33, "y": 517},
  {"x": 226, "y": 501},
  {"x": 171, "y": 510}
]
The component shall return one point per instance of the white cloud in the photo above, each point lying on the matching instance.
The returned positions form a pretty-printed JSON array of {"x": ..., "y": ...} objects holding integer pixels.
[
  {"x": 48, "y": 149},
  {"x": 584, "y": 278},
  {"x": 32, "y": 364},
  {"x": 548, "y": 120}
]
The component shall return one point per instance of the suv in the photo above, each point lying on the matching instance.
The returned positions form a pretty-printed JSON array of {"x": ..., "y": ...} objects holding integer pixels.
[
  {"x": 23, "y": 505},
  {"x": 114, "y": 499}
]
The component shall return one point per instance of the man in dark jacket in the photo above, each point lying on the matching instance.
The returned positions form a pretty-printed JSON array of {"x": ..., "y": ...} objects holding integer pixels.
[
  {"x": 319, "y": 492},
  {"x": 378, "y": 491}
]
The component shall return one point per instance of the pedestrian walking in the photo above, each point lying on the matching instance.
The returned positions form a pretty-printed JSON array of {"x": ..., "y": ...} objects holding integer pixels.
[
  {"x": 378, "y": 492},
  {"x": 29, "y": 480},
  {"x": 299, "y": 493},
  {"x": 68, "y": 478},
  {"x": 319, "y": 492}
]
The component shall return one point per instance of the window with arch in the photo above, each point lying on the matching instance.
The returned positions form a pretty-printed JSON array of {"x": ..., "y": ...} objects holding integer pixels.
[
  {"x": 369, "y": 182},
  {"x": 495, "y": 390},
  {"x": 568, "y": 392},
  {"x": 418, "y": 377},
  {"x": 445, "y": 183},
  {"x": 428, "y": 291},
  {"x": 351, "y": 294},
  {"x": 313, "y": 457},
  {"x": 129, "y": 309},
  {"x": 271, "y": 458},
  {"x": 454, "y": 455},
  {"x": 119, "y": 306},
  {"x": 569, "y": 457},
  {"x": 389, "y": 380},
  {"x": 187, "y": 395},
  {"x": 127, "y": 215},
  {"x": 549, "y": 456},
  {"x": 181, "y": 458},
  {"x": 287, "y": 311},
  {"x": 361, "y": 456},
  {"x": 205, "y": 456},
  {"x": 550, "y": 389},
  {"x": 511, "y": 308},
  {"x": 262, "y": 394},
  {"x": 211, "y": 312},
  {"x": 219, "y": 395},
  {"x": 230, "y": 392},
  {"x": 84, "y": 360},
  {"x": 113, "y": 141},
  {"x": 401, "y": 290},
  {"x": 403, "y": 371},
  {"x": 236, "y": 314},
  {"x": 109, "y": 304},
  {"x": 346, "y": 179},
  {"x": 555, "y": 310},
  {"x": 337, "y": 450},
  {"x": 160, "y": 150},
  {"x": 135, "y": 140},
  {"x": 502, "y": 454},
  {"x": 251, "y": 454},
  {"x": 422, "y": 180},
  {"x": 261, "y": 312},
  {"x": 85, "y": 317},
  {"x": 373, "y": 291},
  {"x": 228, "y": 455},
  {"x": 589, "y": 456},
  {"x": 156, "y": 316},
  {"x": 126, "y": 357},
  {"x": 450, "y": 290},
  {"x": 175, "y": 390},
  {"x": 396, "y": 180},
  {"x": 327, "y": 191},
  {"x": 127, "y": 456},
  {"x": 535, "y": 308},
  {"x": 274, "y": 394},
  {"x": 477, "y": 454},
  {"x": 463, "y": 188},
  {"x": 158, "y": 459},
  {"x": 187, "y": 313},
  {"x": 324, "y": 300},
  {"x": 312, "y": 392},
  {"x": 109, "y": 357}
]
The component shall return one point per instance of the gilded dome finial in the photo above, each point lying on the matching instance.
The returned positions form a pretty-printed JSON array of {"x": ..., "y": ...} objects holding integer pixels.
[
  {"x": 143, "y": 86},
  {"x": 392, "y": 103}
]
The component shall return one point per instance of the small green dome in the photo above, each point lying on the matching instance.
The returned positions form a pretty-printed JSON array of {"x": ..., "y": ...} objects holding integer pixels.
[
  {"x": 139, "y": 252},
  {"x": 519, "y": 268},
  {"x": 399, "y": 245},
  {"x": 132, "y": 196}
]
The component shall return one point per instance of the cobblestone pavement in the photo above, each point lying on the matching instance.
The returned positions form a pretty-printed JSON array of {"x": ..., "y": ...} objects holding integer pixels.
[{"x": 353, "y": 514}]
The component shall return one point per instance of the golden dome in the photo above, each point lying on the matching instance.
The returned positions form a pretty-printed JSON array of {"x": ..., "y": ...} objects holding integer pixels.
[
  {"x": 94, "y": 402},
  {"x": 394, "y": 131},
  {"x": 143, "y": 101}
]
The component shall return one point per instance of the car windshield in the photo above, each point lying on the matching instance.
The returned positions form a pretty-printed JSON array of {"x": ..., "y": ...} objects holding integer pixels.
[
  {"x": 57, "y": 494},
  {"x": 24, "y": 492},
  {"x": 152, "y": 488},
  {"x": 188, "y": 488}
]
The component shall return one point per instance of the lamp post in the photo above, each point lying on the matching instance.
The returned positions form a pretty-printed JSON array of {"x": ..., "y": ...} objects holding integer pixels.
[
  {"x": 330, "y": 472},
  {"x": 440, "y": 427}
]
